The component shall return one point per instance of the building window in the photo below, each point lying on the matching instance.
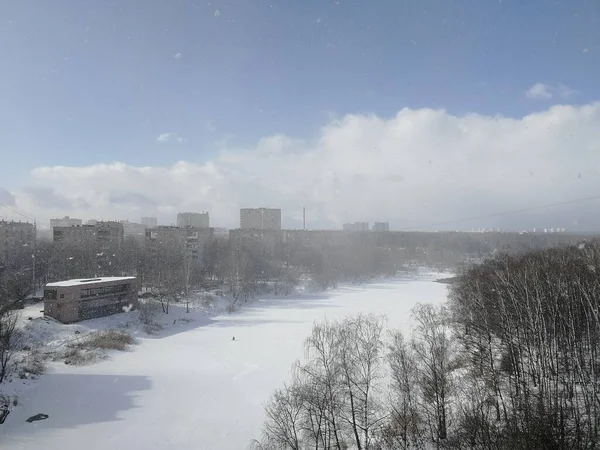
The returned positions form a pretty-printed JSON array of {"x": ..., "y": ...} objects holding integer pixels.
[
  {"x": 50, "y": 294},
  {"x": 62, "y": 295}
]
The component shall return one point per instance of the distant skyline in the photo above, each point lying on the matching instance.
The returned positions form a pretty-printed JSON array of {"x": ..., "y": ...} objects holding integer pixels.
[{"x": 405, "y": 112}]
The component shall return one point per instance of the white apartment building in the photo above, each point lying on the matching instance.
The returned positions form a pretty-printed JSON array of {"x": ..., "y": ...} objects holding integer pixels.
[
  {"x": 381, "y": 226},
  {"x": 65, "y": 222}
]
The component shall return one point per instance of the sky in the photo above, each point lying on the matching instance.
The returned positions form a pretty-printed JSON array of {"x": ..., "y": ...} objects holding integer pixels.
[{"x": 412, "y": 112}]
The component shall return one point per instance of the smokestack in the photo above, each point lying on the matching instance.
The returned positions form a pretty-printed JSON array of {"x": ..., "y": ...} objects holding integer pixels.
[{"x": 304, "y": 218}]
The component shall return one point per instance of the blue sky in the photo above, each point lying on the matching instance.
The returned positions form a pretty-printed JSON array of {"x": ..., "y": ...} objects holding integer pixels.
[{"x": 88, "y": 82}]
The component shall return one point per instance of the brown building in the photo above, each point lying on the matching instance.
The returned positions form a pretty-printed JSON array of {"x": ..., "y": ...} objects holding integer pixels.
[{"x": 74, "y": 300}]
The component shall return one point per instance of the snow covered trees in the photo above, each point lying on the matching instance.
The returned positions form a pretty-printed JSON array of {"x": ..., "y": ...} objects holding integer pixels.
[
  {"x": 513, "y": 362},
  {"x": 334, "y": 400}
]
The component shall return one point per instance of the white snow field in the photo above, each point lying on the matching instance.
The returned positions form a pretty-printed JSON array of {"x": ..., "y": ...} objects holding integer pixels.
[{"x": 195, "y": 388}]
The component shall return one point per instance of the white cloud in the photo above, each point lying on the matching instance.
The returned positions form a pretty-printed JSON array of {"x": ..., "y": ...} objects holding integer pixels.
[
  {"x": 166, "y": 137},
  {"x": 539, "y": 91},
  {"x": 177, "y": 55},
  {"x": 565, "y": 91},
  {"x": 418, "y": 167}
]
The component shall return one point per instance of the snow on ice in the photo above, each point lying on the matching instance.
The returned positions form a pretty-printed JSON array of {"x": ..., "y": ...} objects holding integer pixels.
[{"x": 193, "y": 385}]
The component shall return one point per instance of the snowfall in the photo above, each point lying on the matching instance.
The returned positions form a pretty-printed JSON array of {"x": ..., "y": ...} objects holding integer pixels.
[{"x": 191, "y": 385}]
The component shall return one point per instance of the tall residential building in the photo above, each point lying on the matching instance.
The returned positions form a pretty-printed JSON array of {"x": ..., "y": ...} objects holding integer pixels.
[
  {"x": 150, "y": 222},
  {"x": 381, "y": 226},
  {"x": 356, "y": 226},
  {"x": 65, "y": 222},
  {"x": 15, "y": 237},
  {"x": 103, "y": 234},
  {"x": 194, "y": 220},
  {"x": 189, "y": 239},
  {"x": 260, "y": 218}
]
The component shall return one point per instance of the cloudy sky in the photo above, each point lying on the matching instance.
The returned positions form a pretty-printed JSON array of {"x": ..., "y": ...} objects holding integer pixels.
[{"x": 412, "y": 112}]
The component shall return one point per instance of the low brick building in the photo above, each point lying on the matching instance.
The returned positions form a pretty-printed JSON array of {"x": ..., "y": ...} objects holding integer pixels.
[{"x": 80, "y": 299}]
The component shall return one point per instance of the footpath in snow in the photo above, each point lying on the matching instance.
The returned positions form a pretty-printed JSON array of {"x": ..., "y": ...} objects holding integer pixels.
[{"x": 193, "y": 387}]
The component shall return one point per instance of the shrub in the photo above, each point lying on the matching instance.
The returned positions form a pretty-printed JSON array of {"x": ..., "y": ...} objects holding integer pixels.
[
  {"x": 108, "y": 340},
  {"x": 33, "y": 364}
]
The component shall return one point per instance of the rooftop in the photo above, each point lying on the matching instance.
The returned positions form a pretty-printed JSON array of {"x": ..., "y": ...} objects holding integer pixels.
[{"x": 83, "y": 281}]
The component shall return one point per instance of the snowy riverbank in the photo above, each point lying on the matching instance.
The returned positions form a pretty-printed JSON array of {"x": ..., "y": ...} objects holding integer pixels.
[{"x": 191, "y": 385}]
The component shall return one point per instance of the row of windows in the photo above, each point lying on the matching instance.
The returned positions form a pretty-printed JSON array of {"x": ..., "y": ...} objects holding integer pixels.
[
  {"x": 102, "y": 310},
  {"x": 104, "y": 290}
]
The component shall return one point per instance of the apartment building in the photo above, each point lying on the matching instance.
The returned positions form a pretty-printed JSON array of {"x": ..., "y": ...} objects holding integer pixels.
[
  {"x": 65, "y": 222},
  {"x": 381, "y": 226},
  {"x": 15, "y": 237},
  {"x": 260, "y": 219},
  {"x": 266, "y": 238},
  {"x": 103, "y": 234},
  {"x": 149, "y": 222},
  {"x": 192, "y": 219},
  {"x": 356, "y": 226},
  {"x": 80, "y": 299},
  {"x": 190, "y": 240},
  {"x": 134, "y": 230}
]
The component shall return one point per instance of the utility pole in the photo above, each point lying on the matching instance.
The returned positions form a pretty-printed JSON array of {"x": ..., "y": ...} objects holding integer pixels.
[
  {"x": 33, "y": 256},
  {"x": 304, "y": 218}
]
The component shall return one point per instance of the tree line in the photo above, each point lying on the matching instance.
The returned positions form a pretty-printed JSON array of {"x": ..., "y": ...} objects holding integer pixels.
[{"x": 511, "y": 361}]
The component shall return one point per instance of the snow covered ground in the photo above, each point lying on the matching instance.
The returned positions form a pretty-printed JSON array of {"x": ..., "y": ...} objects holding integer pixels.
[{"x": 192, "y": 386}]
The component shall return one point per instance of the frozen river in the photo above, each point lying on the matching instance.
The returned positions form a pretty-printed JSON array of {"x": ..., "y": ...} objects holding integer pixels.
[{"x": 196, "y": 389}]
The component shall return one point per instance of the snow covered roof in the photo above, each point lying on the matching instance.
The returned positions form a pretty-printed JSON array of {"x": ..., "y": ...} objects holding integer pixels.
[{"x": 82, "y": 281}]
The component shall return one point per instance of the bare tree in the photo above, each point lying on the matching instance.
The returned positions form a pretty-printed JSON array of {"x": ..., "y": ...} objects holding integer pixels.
[
  {"x": 432, "y": 347},
  {"x": 8, "y": 323},
  {"x": 283, "y": 425},
  {"x": 361, "y": 361},
  {"x": 405, "y": 429}
]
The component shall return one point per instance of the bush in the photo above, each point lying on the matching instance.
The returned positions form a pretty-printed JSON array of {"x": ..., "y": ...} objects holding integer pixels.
[
  {"x": 33, "y": 364},
  {"x": 208, "y": 301},
  {"x": 148, "y": 310},
  {"x": 108, "y": 340},
  {"x": 94, "y": 347}
]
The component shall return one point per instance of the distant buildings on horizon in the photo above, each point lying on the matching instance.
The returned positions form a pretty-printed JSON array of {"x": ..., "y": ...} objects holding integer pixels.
[
  {"x": 192, "y": 219},
  {"x": 260, "y": 219},
  {"x": 364, "y": 226}
]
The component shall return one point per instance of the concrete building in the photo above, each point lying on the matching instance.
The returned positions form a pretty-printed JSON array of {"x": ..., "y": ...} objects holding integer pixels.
[
  {"x": 356, "y": 226},
  {"x": 194, "y": 220},
  {"x": 134, "y": 230},
  {"x": 260, "y": 219},
  {"x": 15, "y": 237},
  {"x": 381, "y": 226},
  {"x": 268, "y": 239},
  {"x": 65, "y": 222},
  {"x": 149, "y": 222},
  {"x": 104, "y": 234},
  {"x": 81, "y": 299},
  {"x": 191, "y": 241}
]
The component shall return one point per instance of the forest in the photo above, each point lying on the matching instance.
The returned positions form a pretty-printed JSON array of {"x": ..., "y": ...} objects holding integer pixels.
[{"x": 510, "y": 362}]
